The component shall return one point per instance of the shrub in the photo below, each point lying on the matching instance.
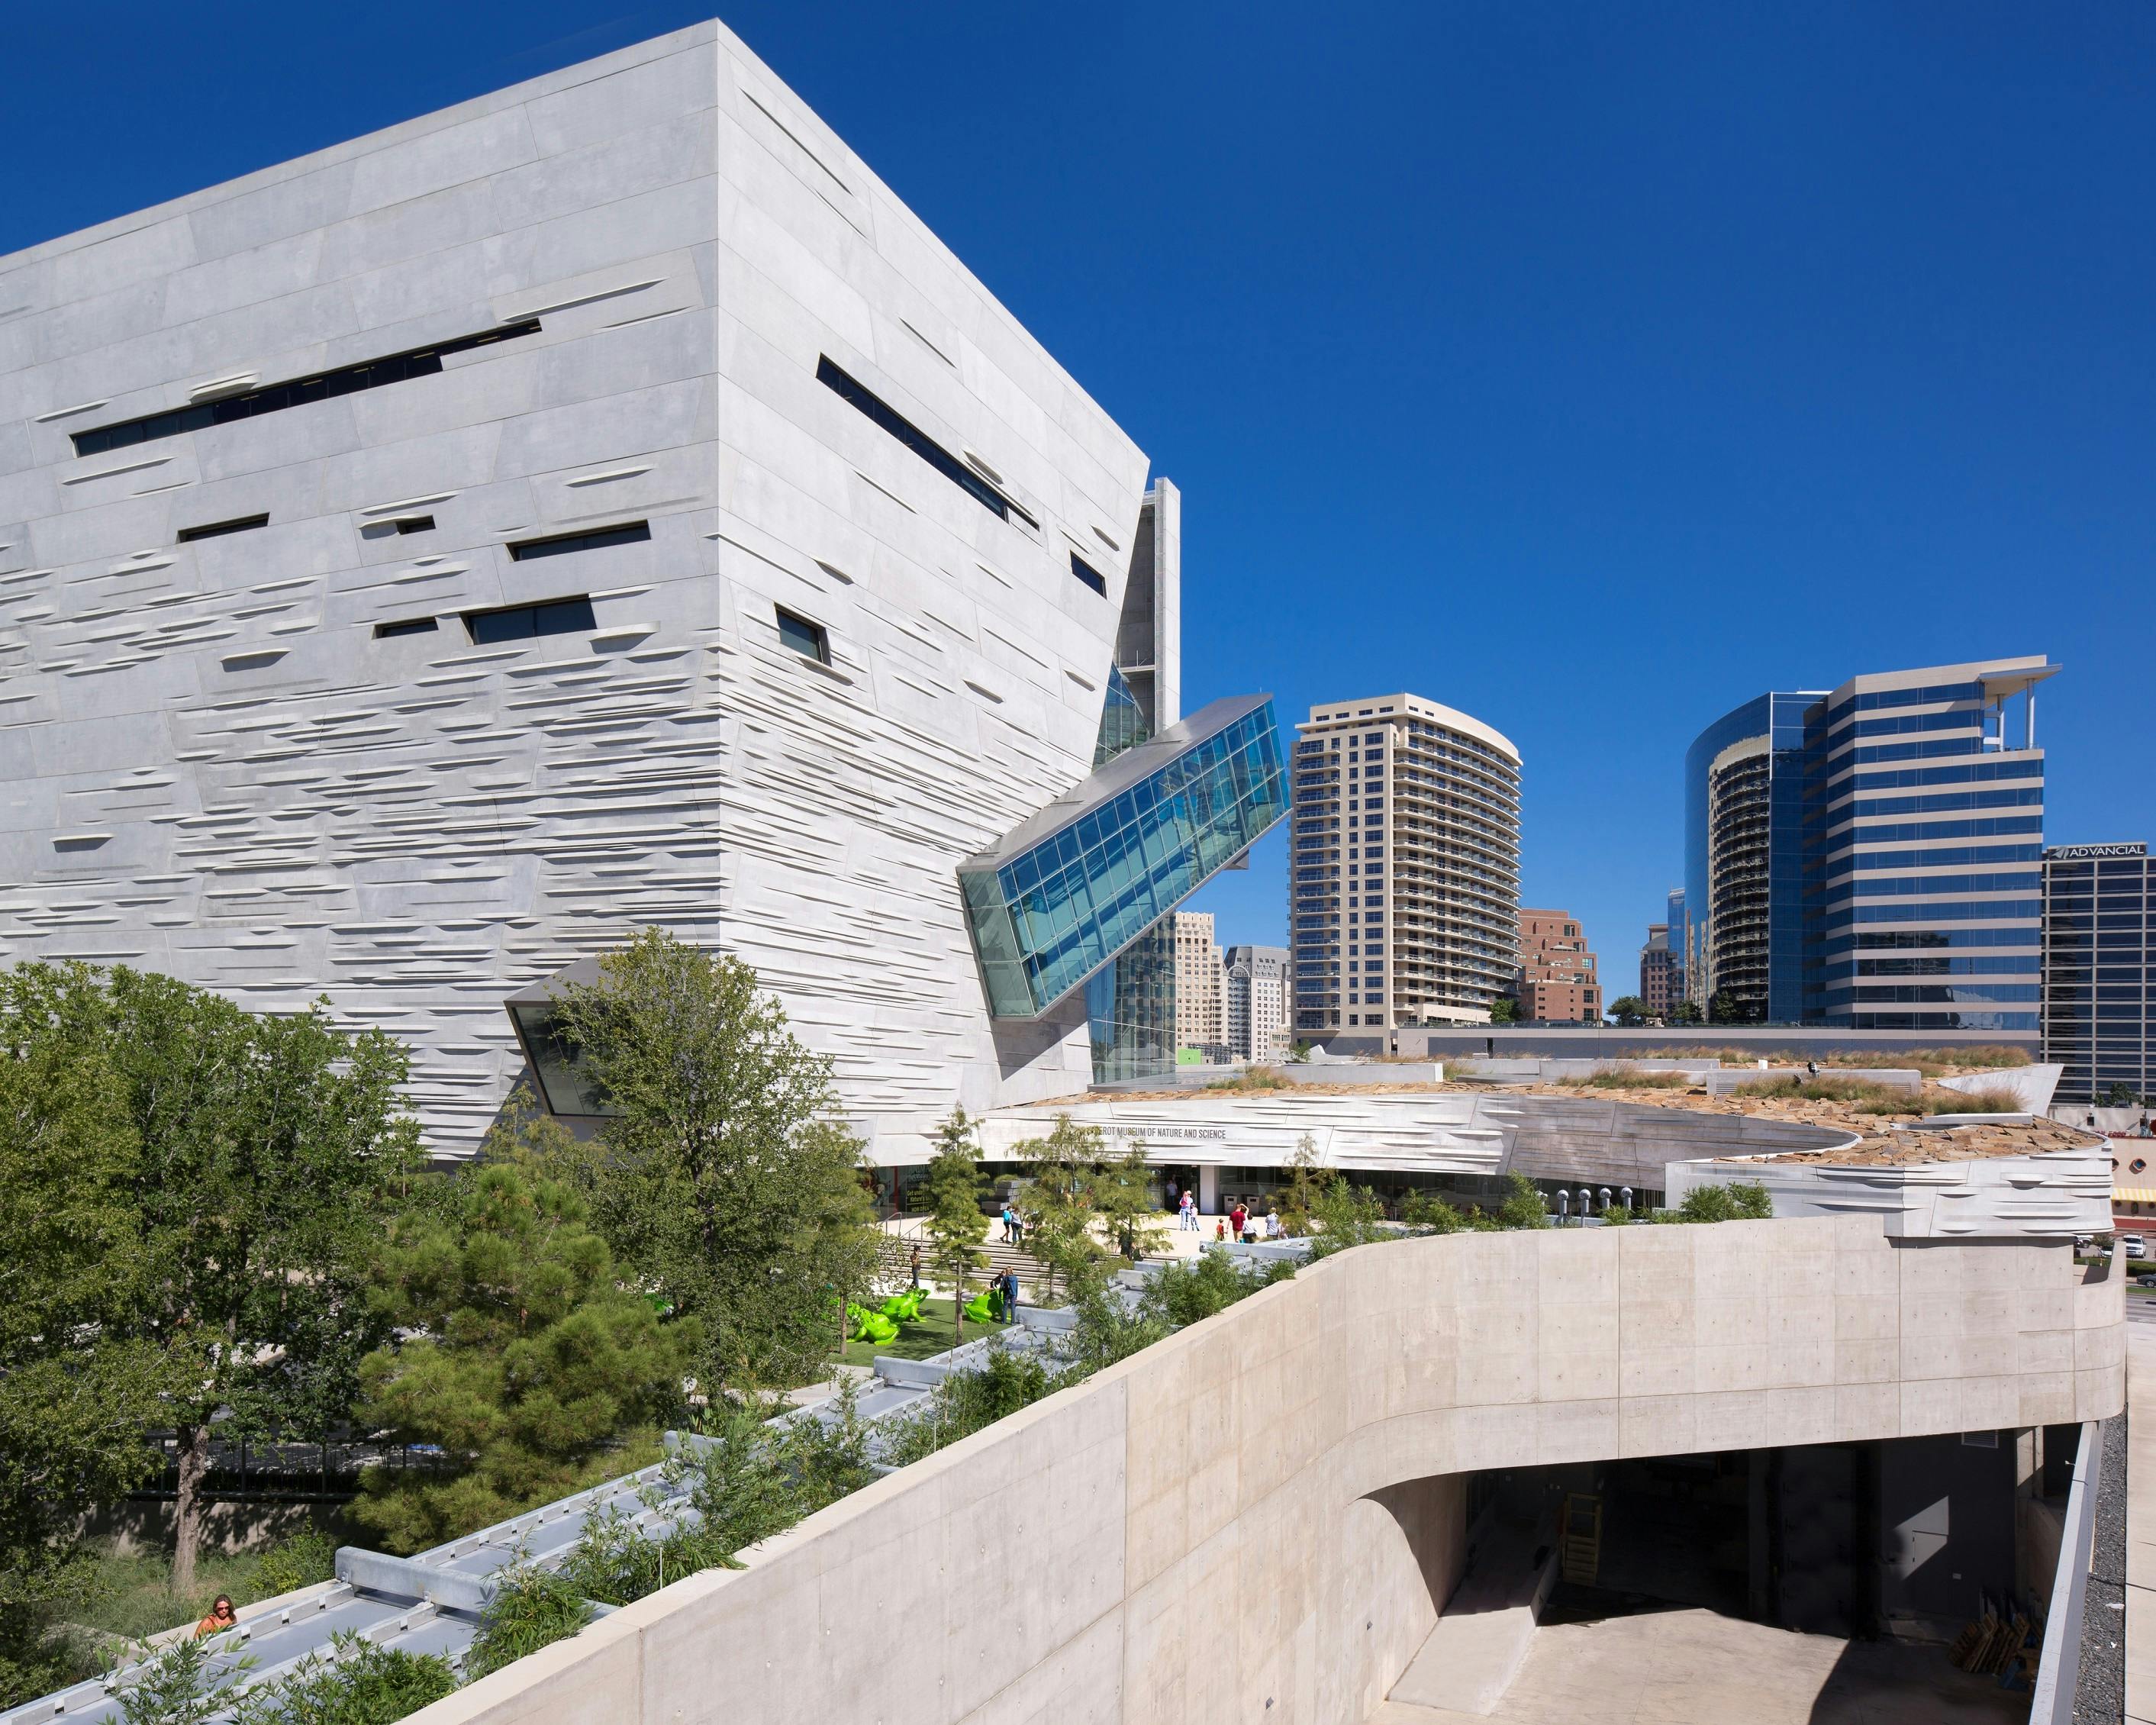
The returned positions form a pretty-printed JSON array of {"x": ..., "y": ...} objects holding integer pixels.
[
  {"x": 1345, "y": 1216},
  {"x": 1523, "y": 1206},
  {"x": 532, "y": 1608},
  {"x": 298, "y": 1560},
  {"x": 1184, "y": 1294},
  {"x": 965, "y": 1402},
  {"x": 1741, "y": 1200},
  {"x": 178, "y": 1685},
  {"x": 359, "y": 1683},
  {"x": 1255, "y": 1078},
  {"x": 1427, "y": 1211}
]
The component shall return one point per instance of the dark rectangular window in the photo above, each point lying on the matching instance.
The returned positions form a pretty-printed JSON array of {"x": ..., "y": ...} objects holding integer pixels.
[
  {"x": 554, "y": 545},
  {"x": 809, "y": 640},
  {"x": 1090, "y": 575},
  {"x": 409, "y": 626},
  {"x": 275, "y": 398},
  {"x": 211, "y": 530},
  {"x": 415, "y": 524},
  {"x": 519, "y": 622},
  {"x": 919, "y": 441}
]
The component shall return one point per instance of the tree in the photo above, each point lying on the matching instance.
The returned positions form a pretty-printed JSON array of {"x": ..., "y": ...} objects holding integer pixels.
[
  {"x": 1123, "y": 1195},
  {"x": 1346, "y": 1216},
  {"x": 1299, "y": 1197},
  {"x": 1685, "y": 1012},
  {"x": 1524, "y": 1205},
  {"x": 525, "y": 1358},
  {"x": 1058, "y": 1201},
  {"x": 1629, "y": 1009},
  {"x": 726, "y": 1179},
  {"x": 76, "y": 1394},
  {"x": 1504, "y": 1010},
  {"x": 955, "y": 1222},
  {"x": 266, "y": 1152}
]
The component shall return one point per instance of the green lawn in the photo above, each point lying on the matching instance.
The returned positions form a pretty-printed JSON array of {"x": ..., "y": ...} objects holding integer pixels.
[{"x": 933, "y": 1334}]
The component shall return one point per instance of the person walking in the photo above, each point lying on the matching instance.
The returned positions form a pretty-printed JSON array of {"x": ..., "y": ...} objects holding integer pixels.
[
  {"x": 913, "y": 1264},
  {"x": 1187, "y": 1213},
  {"x": 1272, "y": 1222},
  {"x": 1010, "y": 1297},
  {"x": 1236, "y": 1218}
]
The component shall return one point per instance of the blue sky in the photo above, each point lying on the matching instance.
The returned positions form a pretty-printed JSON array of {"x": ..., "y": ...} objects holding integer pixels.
[{"x": 1590, "y": 368}]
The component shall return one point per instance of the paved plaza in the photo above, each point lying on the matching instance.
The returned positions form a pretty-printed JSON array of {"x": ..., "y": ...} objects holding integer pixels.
[{"x": 1694, "y": 1667}]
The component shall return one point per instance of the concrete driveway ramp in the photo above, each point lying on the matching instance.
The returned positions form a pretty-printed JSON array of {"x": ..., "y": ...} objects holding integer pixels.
[{"x": 1487, "y": 1627}]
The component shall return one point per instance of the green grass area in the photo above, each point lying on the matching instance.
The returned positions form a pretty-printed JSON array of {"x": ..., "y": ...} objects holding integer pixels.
[
  {"x": 132, "y": 1596},
  {"x": 932, "y": 1333}
]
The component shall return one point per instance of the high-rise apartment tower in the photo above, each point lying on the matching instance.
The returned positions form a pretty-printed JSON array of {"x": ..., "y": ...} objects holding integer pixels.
[{"x": 1405, "y": 883}]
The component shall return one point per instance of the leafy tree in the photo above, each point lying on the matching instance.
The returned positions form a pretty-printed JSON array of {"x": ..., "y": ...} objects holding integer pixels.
[
  {"x": 1346, "y": 1216},
  {"x": 1523, "y": 1206},
  {"x": 726, "y": 1179},
  {"x": 1123, "y": 1194},
  {"x": 262, "y": 1155},
  {"x": 1187, "y": 1293},
  {"x": 956, "y": 1225},
  {"x": 177, "y": 1685},
  {"x": 1058, "y": 1201},
  {"x": 1629, "y": 1009},
  {"x": 1299, "y": 1197},
  {"x": 1741, "y": 1200},
  {"x": 76, "y": 1392},
  {"x": 1504, "y": 1010},
  {"x": 1685, "y": 1012},
  {"x": 525, "y": 1360}
]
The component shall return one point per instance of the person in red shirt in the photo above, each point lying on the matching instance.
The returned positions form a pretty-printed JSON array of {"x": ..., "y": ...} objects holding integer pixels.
[{"x": 1236, "y": 1218}]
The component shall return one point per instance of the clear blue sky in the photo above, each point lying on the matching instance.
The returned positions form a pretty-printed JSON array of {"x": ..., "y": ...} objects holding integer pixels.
[{"x": 1591, "y": 368}]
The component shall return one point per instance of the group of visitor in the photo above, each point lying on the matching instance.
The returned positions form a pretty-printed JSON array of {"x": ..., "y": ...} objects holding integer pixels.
[{"x": 1240, "y": 1223}]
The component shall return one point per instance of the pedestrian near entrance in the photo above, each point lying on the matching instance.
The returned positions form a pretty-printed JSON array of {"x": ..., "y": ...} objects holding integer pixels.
[
  {"x": 1187, "y": 1213},
  {"x": 1236, "y": 1218}
]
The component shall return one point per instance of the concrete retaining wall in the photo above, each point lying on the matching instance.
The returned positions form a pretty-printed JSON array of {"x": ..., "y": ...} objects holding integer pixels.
[{"x": 1235, "y": 1524}]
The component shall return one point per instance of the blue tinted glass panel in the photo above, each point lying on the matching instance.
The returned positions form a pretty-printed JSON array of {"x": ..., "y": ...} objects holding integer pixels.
[{"x": 1125, "y": 864}]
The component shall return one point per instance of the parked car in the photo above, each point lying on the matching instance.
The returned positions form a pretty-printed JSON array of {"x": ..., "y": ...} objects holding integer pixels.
[{"x": 2136, "y": 1246}]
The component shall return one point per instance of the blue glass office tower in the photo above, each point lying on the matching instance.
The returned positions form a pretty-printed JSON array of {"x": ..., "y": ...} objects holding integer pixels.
[{"x": 1871, "y": 858}]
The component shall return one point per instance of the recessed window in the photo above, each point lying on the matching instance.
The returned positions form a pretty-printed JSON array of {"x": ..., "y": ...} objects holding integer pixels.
[
  {"x": 414, "y": 524},
  {"x": 554, "y": 545},
  {"x": 809, "y": 640},
  {"x": 275, "y": 398},
  {"x": 406, "y": 626},
  {"x": 520, "y": 623},
  {"x": 841, "y": 383},
  {"x": 211, "y": 530},
  {"x": 1090, "y": 575}
]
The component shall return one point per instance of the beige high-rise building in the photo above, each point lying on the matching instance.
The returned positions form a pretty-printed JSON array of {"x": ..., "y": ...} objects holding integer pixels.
[
  {"x": 1403, "y": 895},
  {"x": 1256, "y": 1003},
  {"x": 1199, "y": 1022}
]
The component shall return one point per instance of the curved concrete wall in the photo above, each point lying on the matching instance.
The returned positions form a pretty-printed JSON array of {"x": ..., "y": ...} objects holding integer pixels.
[{"x": 1254, "y": 1519}]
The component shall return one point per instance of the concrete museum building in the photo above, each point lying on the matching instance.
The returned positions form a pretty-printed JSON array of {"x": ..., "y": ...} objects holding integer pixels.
[{"x": 598, "y": 506}]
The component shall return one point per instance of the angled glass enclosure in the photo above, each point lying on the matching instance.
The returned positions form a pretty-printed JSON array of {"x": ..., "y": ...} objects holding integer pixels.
[{"x": 1070, "y": 888}]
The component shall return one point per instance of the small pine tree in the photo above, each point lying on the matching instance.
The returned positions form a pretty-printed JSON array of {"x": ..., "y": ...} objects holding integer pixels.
[{"x": 956, "y": 1224}]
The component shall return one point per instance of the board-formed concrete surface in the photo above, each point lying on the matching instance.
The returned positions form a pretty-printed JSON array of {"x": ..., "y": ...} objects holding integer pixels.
[{"x": 1259, "y": 1518}]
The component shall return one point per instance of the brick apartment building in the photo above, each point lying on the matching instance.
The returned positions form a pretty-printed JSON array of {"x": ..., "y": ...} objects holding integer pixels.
[{"x": 1557, "y": 982}]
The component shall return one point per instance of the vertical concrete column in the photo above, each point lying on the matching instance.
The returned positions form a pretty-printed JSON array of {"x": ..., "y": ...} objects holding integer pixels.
[{"x": 1209, "y": 1190}]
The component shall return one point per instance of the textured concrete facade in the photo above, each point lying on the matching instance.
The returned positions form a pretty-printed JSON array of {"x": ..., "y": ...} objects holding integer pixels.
[
  {"x": 213, "y": 767},
  {"x": 1252, "y": 1521}
]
